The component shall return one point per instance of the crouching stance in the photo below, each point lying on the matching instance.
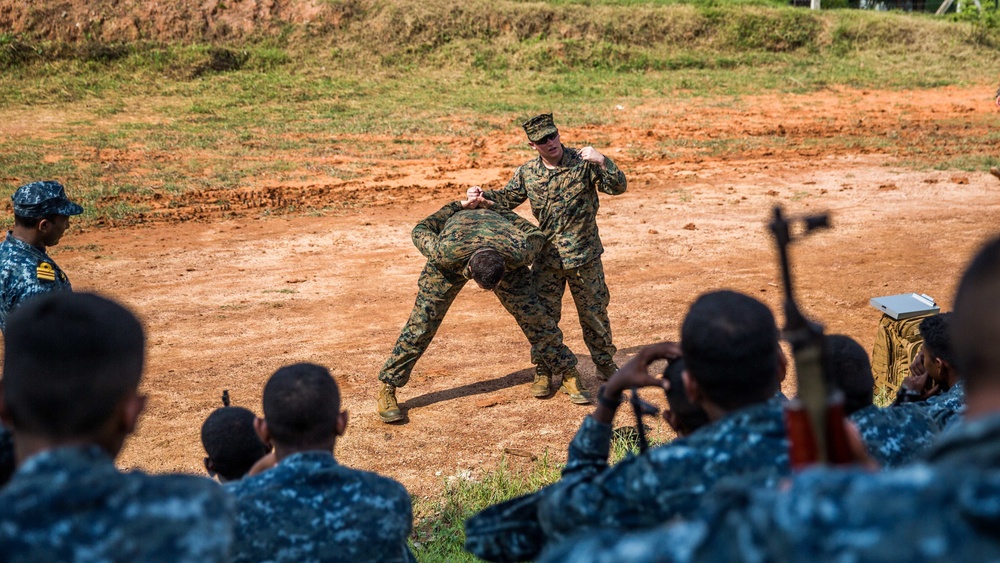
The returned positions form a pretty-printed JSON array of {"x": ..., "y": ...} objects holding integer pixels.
[{"x": 494, "y": 248}]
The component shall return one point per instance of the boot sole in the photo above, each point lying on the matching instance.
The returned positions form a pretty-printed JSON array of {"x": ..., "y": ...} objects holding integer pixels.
[
  {"x": 541, "y": 394},
  {"x": 387, "y": 418},
  {"x": 577, "y": 399}
]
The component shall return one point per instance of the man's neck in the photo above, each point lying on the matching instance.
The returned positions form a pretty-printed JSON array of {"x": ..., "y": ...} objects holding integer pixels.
[
  {"x": 27, "y": 445},
  {"x": 282, "y": 451},
  {"x": 28, "y": 236}
]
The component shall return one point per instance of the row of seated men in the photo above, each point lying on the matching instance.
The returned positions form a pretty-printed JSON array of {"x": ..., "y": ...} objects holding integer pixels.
[{"x": 70, "y": 395}]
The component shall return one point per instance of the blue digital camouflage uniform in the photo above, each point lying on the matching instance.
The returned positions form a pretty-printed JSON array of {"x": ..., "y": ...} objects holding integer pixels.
[
  {"x": 448, "y": 238},
  {"x": 947, "y": 408},
  {"x": 564, "y": 201},
  {"x": 666, "y": 481},
  {"x": 72, "y": 504},
  {"x": 26, "y": 271},
  {"x": 944, "y": 509},
  {"x": 895, "y": 436},
  {"x": 310, "y": 508}
]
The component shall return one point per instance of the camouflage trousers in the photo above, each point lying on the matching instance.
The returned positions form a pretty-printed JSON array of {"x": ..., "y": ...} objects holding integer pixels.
[
  {"x": 590, "y": 294},
  {"x": 437, "y": 291}
]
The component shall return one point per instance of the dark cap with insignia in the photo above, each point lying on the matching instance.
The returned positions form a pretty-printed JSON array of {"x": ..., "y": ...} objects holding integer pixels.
[
  {"x": 539, "y": 127},
  {"x": 39, "y": 199}
]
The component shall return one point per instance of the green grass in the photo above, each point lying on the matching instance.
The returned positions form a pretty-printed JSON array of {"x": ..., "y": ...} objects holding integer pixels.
[
  {"x": 197, "y": 116},
  {"x": 439, "y": 522}
]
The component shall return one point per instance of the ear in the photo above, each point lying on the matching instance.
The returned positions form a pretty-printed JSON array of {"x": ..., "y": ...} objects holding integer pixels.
[
  {"x": 131, "y": 409},
  {"x": 671, "y": 418},
  {"x": 44, "y": 225},
  {"x": 692, "y": 389},
  {"x": 263, "y": 432},
  {"x": 341, "y": 423},
  {"x": 209, "y": 466}
]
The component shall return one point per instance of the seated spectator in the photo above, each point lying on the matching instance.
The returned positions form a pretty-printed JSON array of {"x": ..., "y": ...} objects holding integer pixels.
[
  {"x": 683, "y": 416},
  {"x": 308, "y": 507},
  {"x": 734, "y": 365},
  {"x": 231, "y": 443},
  {"x": 892, "y": 436},
  {"x": 934, "y": 383},
  {"x": 942, "y": 509},
  {"x": 72, "y": 365}
]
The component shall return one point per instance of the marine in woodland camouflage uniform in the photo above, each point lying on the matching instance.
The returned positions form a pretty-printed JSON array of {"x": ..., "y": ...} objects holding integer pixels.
[
  {"x": 561, "y": 186},
  {"x": 448, "y": 239},
  {"x": 946, "y": 508},
  {"x": 72, "y": 366},
  {"x": 308, "y": 507},
  {"x": 41, "y": 215}
]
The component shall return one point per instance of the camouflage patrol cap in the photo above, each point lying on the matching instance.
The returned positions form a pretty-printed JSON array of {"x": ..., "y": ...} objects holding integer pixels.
[
  {"x": 39, "y": 199},
  {"x": 539, "y": 127}
]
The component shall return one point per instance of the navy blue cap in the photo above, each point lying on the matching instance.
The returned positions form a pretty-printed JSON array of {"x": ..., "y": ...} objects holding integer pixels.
[{"x": 39, "y": 199}]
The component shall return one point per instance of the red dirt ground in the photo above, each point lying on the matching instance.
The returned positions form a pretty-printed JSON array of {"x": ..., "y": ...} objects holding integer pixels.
[{"x": 230, "y": 292}]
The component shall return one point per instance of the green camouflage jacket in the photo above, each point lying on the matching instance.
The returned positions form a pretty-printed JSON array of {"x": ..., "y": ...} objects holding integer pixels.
[
  {"x": 449, "y": 237},
  {"x": 565, "y": 202}
]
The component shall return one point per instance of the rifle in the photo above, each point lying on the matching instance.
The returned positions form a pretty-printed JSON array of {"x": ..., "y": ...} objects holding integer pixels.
[
  {"x": 815, "y": 419},
  {"x": 641, "y": 408}
]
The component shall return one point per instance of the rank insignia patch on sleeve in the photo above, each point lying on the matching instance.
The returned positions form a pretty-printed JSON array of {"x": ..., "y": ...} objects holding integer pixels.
[{"x": 46, "y": 272}]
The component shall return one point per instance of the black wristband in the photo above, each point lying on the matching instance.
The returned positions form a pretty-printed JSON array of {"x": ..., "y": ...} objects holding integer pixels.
[{"x": 607, "y": 403}]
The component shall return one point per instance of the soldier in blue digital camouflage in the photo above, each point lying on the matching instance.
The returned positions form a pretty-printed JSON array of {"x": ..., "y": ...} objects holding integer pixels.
[
  {"x": 934, "y": 385},
  {"x": 944, "y": 508},
  {"x": 41, "y": 216},
  {"x": 892, "y": 436},
  {"x": 734, "y": 366},
  {"x": 308, "y": 507},
  {"x": 494, "y": 247},
  {"x": 71, "y": 372},
  {"x": 561, "y": 186},
  {"x": 231, "y": 443}
]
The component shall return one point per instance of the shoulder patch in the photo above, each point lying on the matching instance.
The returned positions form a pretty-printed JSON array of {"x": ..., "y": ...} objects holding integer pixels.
[{"x": 46, "y": 272}]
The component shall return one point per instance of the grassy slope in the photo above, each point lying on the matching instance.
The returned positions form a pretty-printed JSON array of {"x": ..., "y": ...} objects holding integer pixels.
[{"x": 411, "y": 68}]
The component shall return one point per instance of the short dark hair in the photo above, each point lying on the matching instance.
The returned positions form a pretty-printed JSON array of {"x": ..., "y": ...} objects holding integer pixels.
[
  {"x": 301, "y": 405},
  {"x": 231, "y": 442},
  {"x": 975, "y": 324},
  {"x": 936, "y": 332},
  {"x": 689, "y": 417},
  {"x": 487, "y": 267},
  {"x": 730, "y": 344},
  {"x": 31, "y": 222},
  {"x": 69, "y": 359},
  {"x": 846, "y": 366}
]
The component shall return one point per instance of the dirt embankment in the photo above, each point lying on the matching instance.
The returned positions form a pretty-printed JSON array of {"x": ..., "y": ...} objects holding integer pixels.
[{"x": 158, "y": 20}]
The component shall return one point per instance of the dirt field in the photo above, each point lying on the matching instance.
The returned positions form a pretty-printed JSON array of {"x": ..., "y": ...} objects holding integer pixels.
[{"x": 230, "y": 292}]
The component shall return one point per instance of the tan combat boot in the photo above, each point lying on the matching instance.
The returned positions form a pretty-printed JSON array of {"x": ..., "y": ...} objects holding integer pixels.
[
  {"x": 572, "y": 385},
  {"x": 605, "y": 371},
  {"x": 541, "y": 387},
  {"x": 388, "y": 408}
]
